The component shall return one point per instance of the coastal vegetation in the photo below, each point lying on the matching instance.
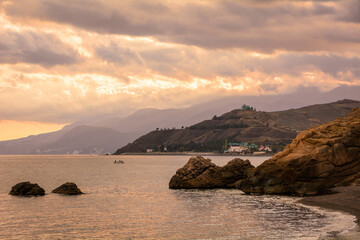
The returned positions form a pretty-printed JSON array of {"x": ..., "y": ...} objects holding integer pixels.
[{"x": 274, "y": 129}]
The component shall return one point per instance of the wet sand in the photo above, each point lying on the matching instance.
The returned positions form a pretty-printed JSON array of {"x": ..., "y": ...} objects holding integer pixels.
[{"x": 344, "y": 199}]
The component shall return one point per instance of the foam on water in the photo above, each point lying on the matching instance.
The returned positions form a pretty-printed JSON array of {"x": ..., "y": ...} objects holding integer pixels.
[{"x": 337, "y": 223}]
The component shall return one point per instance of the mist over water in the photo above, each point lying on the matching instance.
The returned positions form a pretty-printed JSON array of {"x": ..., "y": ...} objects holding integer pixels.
[{"x": 133, "y": 201}]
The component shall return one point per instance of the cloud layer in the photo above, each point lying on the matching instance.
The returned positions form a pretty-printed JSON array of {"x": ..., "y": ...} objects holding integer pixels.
[{"x": 63, "y": 60}]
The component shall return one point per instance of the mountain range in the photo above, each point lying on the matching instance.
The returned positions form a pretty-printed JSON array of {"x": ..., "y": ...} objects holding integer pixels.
[
  {"x": 109, "y": 134},
  {"x": 276, "y": 129}
]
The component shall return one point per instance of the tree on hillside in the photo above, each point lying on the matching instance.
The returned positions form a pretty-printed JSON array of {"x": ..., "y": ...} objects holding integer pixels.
[{"x": 225, "y": 146}]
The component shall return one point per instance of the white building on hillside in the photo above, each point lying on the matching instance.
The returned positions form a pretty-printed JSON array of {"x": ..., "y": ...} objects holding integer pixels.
[
  {"x": 265, "y": 148},
  {"x": 238, "y": 147}
]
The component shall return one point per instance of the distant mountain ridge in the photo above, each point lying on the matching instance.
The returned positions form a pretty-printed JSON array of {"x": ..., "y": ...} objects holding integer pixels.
[
  {"x": 118, "y": 131},
  {"x": 269, "y": 128},
  {"x": 84, "y": 139}
]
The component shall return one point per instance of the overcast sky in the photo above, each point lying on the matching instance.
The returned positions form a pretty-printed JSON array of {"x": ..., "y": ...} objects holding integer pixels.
[{"x": 61, "y": 60}]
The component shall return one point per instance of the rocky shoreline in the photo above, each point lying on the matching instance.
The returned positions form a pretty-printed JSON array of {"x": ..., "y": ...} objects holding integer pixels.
[
  {"x": 322, "y": 163},
  {"x": 318, "y": 159},
  {"x": 344, "y": 199}
]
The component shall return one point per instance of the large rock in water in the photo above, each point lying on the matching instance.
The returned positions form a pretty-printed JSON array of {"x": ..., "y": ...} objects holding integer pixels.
[
  {"x": 68, "y": 188},
  {"x": 318, "y": 158},
  {"x": 27, "y": 189},
  {"x": 200, "y": 172}
]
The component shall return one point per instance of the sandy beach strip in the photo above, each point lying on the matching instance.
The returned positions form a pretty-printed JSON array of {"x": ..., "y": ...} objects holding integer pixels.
[{"x": 344, "y": 199}]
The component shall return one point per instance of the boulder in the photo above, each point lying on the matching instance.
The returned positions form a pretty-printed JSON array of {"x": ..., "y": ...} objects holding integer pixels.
[
  {"x": 68, "y": 188},
  {"x": 200, "y": 172},
  {"x": 317, "y": 159},
  {"x": 27, "y": 189}
]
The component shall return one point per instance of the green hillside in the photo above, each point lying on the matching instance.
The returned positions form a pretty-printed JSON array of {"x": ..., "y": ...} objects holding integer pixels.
[{"x": 241, "y": 125}]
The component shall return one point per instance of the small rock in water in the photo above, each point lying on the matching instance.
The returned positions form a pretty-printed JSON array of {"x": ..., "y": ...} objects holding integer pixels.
[
  {"x": 68, "y": 188},
  {"x": 27, "y": 189}
]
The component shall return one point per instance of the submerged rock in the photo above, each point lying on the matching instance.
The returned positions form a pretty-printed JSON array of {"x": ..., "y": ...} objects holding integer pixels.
[
  {"x": 27, "y": 189},
  {"x": 200, "y": 172},
  {"x": 68, "y": 188},
  {"x": 317, "y": 159}
]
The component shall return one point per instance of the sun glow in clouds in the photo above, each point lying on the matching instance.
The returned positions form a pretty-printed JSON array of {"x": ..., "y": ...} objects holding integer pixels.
[{"x": 82, "y": 59}]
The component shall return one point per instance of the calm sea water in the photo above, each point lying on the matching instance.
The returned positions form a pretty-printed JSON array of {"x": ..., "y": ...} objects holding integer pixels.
[{"x": 132, "y": 201}]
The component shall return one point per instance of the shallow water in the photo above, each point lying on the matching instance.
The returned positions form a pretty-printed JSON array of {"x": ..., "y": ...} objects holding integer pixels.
[{"x": 133, "y": 201}]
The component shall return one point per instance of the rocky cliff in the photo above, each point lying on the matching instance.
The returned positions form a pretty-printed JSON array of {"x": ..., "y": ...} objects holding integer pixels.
[
  {"x": 200, "y": 172},
  {"x": 318, "y": 158}
]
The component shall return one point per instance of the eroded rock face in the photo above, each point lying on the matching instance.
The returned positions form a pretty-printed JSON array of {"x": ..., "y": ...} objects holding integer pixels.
[
  {"x": 27, "y": 189},
  {"x": 68, "y": 188},
  {"x": 200, "y": 172},
  {"x": 318, "y": 158}
]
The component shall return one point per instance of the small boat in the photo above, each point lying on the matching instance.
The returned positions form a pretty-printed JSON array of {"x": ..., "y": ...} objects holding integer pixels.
[{"x": 119, "y": 162}]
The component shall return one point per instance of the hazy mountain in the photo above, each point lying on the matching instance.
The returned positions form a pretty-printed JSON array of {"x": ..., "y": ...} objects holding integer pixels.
[
  {"x": 71, "y": 139},
  {"x": 84, "y": 139},
  {"x": 127, "y": 129},
  {"x": 270, "y": 128},
  {"x": 28, "y": 144},
  {"x": 304, "y": 96}
]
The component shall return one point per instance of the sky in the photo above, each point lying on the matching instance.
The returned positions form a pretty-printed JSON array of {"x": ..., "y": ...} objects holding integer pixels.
[{"x": 64, "y": 60}]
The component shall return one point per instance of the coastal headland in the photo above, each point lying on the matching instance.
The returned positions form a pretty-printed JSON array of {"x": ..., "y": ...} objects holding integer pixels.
[
  {"x": 322, "y": 164},
  {"x": 244, "y": 131},
  {"x": 318, "y": 159}
]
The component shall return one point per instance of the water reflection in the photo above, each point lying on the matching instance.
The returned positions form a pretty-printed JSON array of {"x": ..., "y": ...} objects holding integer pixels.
[
  {"x": 263, "y": 217},
  {"x": 133, "y": 201}
]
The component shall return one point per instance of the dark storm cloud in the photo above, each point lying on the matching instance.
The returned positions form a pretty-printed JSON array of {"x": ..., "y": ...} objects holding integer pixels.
[
  {"x": 117, "y": 54},
  {"x": 164, "y": 55},
  {"x": 90, "y": 15},
  {"x": 263, "y": 26},
  {"x": 46, "y": 57},
  {"x": 165, "y": 61},
  {"x": 259, "y": 14},
  {"x": 35, "y": 48},
  {"x": 296, "y": 64},
  {"x": 3, "y": 47},
  {"x": 270, "y": 87},
  {"x": 153, "y": 7},
  {"x": 351, "y": 11},
  {"x": 331, "y": 64},
  {"x": 322, "y": 9}
]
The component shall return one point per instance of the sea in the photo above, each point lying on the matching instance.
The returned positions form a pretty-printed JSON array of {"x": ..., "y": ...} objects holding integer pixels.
[{"x": 133, "y": 201}]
